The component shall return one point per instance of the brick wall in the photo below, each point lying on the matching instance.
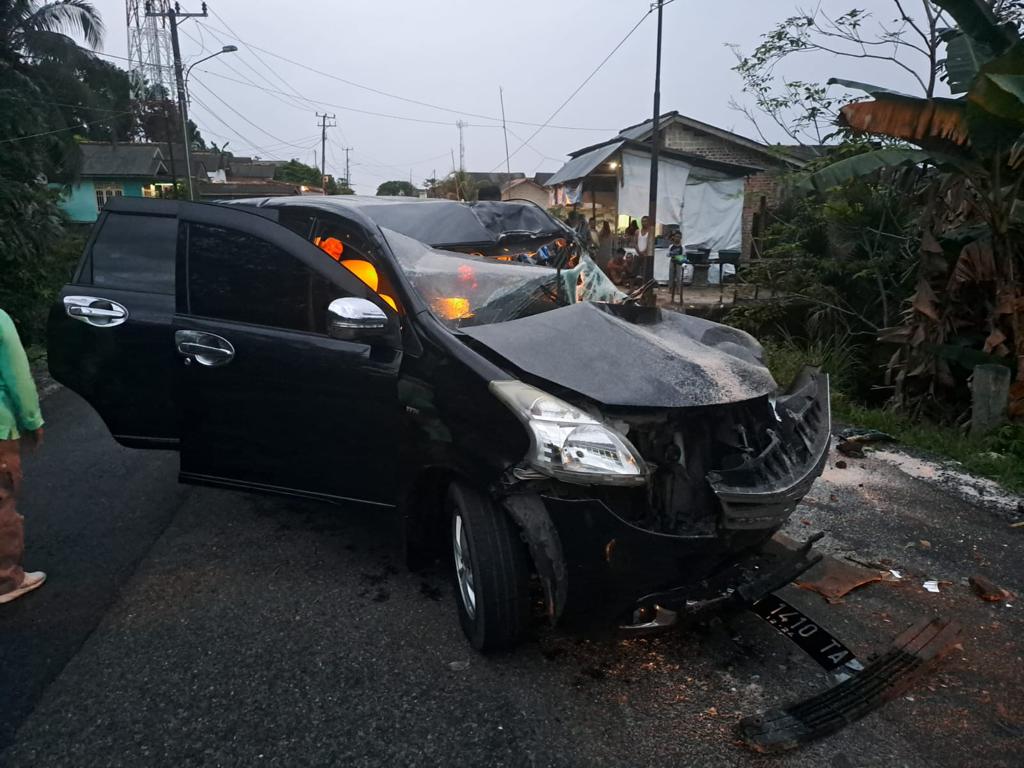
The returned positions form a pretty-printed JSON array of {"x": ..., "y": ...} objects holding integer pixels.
[{"x": 764, "y": 184}]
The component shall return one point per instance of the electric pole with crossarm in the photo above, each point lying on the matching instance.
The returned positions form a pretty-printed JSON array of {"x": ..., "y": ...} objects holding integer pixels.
[
  {"x": 323, "y": 147},
  {"x": 173, "y": 15}
]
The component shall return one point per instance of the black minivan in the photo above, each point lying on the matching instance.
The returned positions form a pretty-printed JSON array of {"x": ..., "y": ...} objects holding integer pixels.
[{"x": 466, "y": 364}]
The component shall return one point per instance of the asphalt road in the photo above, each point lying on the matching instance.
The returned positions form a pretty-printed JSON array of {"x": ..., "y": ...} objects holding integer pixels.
[{"x": 187, "y": 627}]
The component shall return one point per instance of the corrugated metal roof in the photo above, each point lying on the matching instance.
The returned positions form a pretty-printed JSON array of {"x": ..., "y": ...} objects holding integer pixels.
[
  {"x": 121, "y": 160},
  {"x": 582, "y": 165}
]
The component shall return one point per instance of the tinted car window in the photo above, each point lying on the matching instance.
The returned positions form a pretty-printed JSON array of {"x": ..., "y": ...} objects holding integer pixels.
[
  {"x": 136, "y": 253},
  {"x": 234, "y": 276}
]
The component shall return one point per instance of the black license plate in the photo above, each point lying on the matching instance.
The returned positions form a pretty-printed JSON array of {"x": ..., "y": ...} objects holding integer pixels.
[{"x": 815, "y": 641}]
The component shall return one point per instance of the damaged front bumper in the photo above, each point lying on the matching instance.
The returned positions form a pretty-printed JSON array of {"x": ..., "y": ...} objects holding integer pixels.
[
  {"x": 764, "y": 490},
  {"x": 598, "y": 563}
]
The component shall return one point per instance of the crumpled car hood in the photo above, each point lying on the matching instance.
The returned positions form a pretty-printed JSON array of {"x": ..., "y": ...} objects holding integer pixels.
[{"x": 676, "y": 361}]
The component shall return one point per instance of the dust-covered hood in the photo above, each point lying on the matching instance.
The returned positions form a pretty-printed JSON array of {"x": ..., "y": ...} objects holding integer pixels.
[{"x": 655, "y": 359}]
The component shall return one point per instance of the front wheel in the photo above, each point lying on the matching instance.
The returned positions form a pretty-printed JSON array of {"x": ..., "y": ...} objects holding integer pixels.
[{"x": 492, "y": 571}]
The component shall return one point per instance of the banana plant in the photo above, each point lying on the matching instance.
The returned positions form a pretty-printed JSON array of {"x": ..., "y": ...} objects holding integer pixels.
[{"x": 970, "y": 147}]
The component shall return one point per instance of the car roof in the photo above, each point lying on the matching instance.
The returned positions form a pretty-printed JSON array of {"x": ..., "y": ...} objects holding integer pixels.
[{"x": 433, "y": 221}]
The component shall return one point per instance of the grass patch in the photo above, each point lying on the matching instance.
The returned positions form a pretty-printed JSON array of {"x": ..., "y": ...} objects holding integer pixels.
[{"x": 999, "y": 456}]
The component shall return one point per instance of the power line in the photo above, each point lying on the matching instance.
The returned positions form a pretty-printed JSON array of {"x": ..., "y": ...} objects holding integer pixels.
[
  {"x": 265, "y": 65},
  {"x": 287, "y": 100},
  {"x": 60, "y": 130},
  {"x": 580, "y": 86},
  {"x": 380, "y": 92},
  {"x": 239, "y": 114},
  {"x": 239, "y": 134},
  {"x": 333, "y": 105}
]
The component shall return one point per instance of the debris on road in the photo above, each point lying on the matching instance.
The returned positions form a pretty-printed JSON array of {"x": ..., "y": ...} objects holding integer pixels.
[
  {"x": 896, "y": 574},
  {"x": 458, "y": 666},
  {"x": 833, "y": 578},
  {"x": 988, "y": 591},
  {"x": 913, "y": 654},
  {"x": 852, "y": 441},
  {"x": 931, "y": 585},
  {"x": 840, "y": 464}
]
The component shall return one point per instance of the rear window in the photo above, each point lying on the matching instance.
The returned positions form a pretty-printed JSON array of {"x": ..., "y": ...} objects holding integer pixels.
[{"x": 136, "y": 253}]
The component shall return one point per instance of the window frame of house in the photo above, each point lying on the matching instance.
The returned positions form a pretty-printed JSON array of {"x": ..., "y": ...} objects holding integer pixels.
[
  {"x": 106, "y": 191},
  {"x": 156, "y": 190}
]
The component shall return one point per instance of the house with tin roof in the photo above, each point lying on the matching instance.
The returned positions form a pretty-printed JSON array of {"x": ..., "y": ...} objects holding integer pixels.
[{"x": 113, "y": 170}]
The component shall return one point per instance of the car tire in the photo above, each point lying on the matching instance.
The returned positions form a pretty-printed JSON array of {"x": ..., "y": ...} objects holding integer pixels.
[{"x": 492, "y": 570}]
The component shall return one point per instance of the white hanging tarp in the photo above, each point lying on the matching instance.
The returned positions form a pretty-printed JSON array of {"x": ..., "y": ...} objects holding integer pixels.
[
  {"x": 634, "y": 194},
  {"x": 713, "y": 215}
]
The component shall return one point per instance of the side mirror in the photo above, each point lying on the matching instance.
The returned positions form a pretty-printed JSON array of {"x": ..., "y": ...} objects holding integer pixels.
[{"x": 352, "y": 318}]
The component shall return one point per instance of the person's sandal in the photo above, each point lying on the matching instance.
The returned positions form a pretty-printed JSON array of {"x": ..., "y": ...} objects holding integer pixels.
[{"x": 30, "y": 582}]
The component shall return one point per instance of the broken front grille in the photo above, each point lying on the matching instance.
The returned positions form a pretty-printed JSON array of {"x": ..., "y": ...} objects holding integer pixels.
[{"x": 763, "y": 490}]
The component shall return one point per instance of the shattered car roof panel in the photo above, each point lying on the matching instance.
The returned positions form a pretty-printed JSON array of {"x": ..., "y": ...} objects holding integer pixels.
[{"x": 678, "y": 361}]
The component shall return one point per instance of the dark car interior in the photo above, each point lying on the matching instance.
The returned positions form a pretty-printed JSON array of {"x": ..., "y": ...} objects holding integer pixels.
[{"x": 347, "y": 246}]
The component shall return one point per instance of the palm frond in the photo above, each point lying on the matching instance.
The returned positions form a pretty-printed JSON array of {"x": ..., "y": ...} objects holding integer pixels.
[{"x": 71, "y": 17}]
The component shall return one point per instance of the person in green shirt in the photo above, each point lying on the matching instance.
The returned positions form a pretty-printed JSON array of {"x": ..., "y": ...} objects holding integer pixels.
[{"x": 19, "y": 413}]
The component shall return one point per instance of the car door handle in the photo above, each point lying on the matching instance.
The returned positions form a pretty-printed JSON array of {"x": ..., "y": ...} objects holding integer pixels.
[
  {"x": 206, "y": 349},
  {"x": 95, "y": 311}
]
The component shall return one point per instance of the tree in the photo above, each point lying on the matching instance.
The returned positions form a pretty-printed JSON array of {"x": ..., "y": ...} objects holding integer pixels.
[
  {"x": 296, "y": 172},
  {"x": 968, "y": 303},
  {"x": 806, "y": 111},
  {"x": 455, "y": 186},
  {"x": 32, "y": 29},
  {"x": 396, "y": 188},
  {"x": 32, "y": 261}
]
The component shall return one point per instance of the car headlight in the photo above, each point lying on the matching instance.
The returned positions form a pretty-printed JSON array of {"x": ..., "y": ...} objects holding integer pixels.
[{"x": 567, "y": 443}]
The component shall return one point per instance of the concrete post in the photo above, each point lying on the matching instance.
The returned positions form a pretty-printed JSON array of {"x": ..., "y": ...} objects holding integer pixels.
[{"x": 990, "y": 395}]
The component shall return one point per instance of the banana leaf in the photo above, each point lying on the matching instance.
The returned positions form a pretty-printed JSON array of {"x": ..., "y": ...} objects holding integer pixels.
[
  {"x": 933, "y": 123},
  {"x": 976, "y": 19},
  {"x": 860, "y": 165},
  {"x": 965, "y": 56},
  {"x": 872, "y": 90},
  {"x": 999, "y": 88}
]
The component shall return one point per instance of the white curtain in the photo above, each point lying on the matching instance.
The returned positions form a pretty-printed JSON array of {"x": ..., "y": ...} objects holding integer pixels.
[
  {"x": 634, "y": 194},
  {"x": 713, "y": 215}
]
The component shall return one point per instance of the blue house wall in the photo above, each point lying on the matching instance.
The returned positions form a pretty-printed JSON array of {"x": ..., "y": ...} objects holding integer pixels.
[{"x": 78, "y": 201}]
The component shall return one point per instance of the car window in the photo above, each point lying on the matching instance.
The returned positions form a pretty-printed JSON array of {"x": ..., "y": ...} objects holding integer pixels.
[
  {"x": 135, "y": 253},
  {"x": 235, "y": 276},
  {"x": 464, "y": 290}
]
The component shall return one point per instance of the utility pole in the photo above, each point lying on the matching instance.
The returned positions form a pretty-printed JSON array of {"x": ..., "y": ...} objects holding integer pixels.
[
  {"x": 655, "y": 141},
  {"x": 323, "y": 147},
  {"x": 348, "y": 181},
  {"x": 172, "y": 15},
  {"x": 504, "y": 128},
  {"x": 462, "y": 147}
]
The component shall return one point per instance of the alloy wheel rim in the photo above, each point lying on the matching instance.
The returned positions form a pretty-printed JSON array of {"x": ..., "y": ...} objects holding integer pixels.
[{"x": 464, "y": 567}]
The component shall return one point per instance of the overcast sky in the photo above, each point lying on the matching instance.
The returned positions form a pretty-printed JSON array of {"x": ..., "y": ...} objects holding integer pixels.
[{"x": 455, "y": 54}]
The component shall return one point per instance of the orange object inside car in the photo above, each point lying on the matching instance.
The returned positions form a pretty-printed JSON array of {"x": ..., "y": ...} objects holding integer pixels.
[
  {"x": 332, "y": 246},
  {"x": 361, "y": 268},
  {"x": 364, "y": 270},
  {"x": 452, "y": 308}
]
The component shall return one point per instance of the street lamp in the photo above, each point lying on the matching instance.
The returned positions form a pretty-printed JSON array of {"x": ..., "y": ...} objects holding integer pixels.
[
  {"x": 184, "y": 113},
  {"x": 225, "y": 49}
]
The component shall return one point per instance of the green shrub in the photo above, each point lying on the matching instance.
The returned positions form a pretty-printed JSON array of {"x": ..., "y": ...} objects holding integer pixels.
[
  {"x": 836, "y": 354},
  {"x": 34, "y": 274}
]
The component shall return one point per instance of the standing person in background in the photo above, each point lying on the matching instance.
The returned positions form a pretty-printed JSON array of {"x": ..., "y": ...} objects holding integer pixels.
[
  {"x": 643, "y": 235},
  {"x": 19, "y": 412},
  {"x": 604, "y": 246},
  {"x": 630, "y": 236}
]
